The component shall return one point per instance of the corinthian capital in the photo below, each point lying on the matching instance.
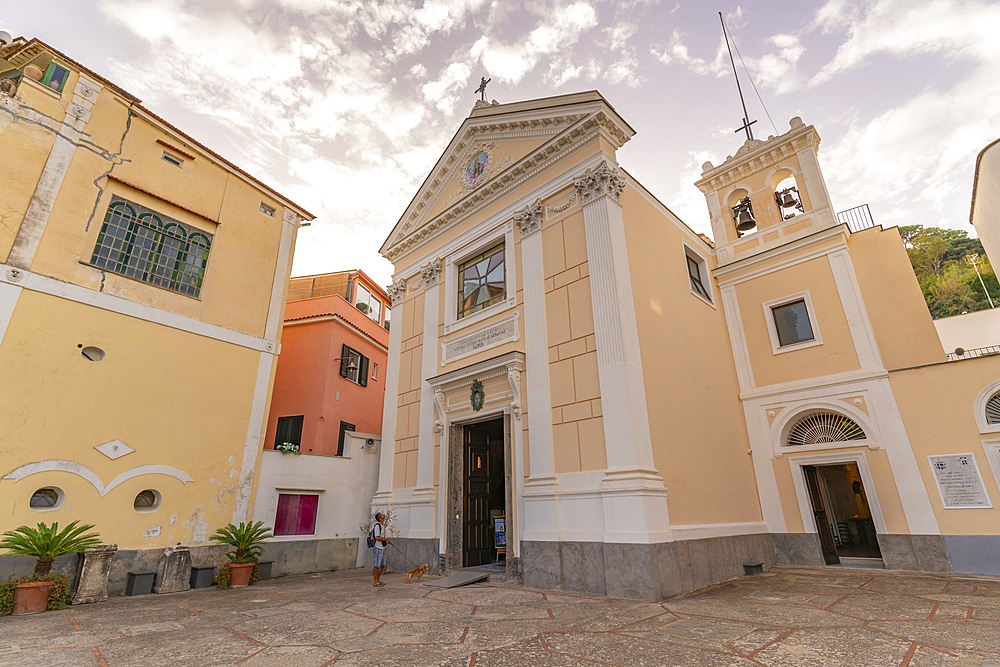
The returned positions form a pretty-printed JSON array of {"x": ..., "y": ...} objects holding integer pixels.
[
  {"x": 530, "y": 219},
  {"x": 599, "y": 181},
  {"x": 396, "y": 291},
  {"x": 431, "y": 272}
]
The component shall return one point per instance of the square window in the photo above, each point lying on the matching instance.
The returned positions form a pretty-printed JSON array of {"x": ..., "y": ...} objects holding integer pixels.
[
  {"x": 288, "y": 434},
  {"x": 482, "y": 281},
  {"x": 353, "y": 365},
  {"x": 55, "y": 77},
  {"x": 296, "y": 514},
  {"x": 791, "y": 323}
]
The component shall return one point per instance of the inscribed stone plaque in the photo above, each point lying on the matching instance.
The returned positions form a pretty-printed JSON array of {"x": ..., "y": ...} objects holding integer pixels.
[
  {"x": 959, "y": 482},
  {"x": 481, "y": 339}
]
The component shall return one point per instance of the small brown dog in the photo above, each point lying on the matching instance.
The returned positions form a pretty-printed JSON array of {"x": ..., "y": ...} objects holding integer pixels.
[{"x": 417, "y": 572}]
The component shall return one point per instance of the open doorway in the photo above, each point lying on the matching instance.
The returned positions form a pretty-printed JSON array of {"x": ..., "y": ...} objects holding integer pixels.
[
  {"x": 484, "y": 530},
  {"x": 843, "y": 515}
]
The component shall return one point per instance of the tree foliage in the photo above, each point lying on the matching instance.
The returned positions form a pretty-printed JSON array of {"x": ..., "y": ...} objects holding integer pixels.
[
  {"x": 949, "y": 282},
  {"x": 48, "y": 542}
]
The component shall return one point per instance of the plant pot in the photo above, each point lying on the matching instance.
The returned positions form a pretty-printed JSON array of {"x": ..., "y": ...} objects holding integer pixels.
[
  {"x": 33, "y": 72},
  {"x": 32, "y": 597},
  {"x": 239, "y": 574}
]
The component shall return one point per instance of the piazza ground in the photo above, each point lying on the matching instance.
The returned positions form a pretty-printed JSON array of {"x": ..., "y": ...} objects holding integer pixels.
[{"x": 787, "y": 616}]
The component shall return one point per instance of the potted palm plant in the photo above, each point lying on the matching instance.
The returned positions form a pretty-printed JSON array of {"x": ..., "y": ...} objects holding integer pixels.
[
  {"x": 247, "y": 541},
  {"x": 44, "y": 543}
]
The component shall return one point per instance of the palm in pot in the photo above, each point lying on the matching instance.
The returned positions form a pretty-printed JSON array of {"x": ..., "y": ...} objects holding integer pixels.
[{"x": 247, "y": 540}]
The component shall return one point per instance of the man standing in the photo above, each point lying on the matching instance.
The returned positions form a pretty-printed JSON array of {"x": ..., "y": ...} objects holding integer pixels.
[{"x": 378, "y": 531}]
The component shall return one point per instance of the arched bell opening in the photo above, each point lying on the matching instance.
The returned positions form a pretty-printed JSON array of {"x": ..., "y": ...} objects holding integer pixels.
[
  {"x": 743, "y": 215},
  {"x": 786, "y": 194}
]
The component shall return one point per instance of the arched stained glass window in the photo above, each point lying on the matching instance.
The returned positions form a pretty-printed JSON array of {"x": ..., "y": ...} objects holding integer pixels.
[
  {"x": 482, "y": 281},
  {"x": 993, "y": 410},
  {"x": 150, "y": 247},
  {"x": 824, "y": 427}
]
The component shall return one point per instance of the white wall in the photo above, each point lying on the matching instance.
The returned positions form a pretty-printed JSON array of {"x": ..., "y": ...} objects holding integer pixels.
[
  {"x": 345, "y": 485},
  {"x": 969, "y": 331}
]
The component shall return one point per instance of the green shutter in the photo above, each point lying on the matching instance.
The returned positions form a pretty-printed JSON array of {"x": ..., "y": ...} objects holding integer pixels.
[{"x": 363, "y": 371}]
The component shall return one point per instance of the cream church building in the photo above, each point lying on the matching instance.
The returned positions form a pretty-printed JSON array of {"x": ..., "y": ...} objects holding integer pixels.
[{"x": 584, "y": 389}]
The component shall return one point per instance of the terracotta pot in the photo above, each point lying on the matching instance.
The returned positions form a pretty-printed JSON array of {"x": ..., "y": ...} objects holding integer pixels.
[
  {"x": 239, "y": 574},
  {"x": 8, "y": 87},
  {"x": 33, "y": 72},
  {"x": 31, "y": 598}
]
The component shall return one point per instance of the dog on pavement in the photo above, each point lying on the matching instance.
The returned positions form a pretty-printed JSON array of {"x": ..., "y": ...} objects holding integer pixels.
[{"x": 417, "y": 572}]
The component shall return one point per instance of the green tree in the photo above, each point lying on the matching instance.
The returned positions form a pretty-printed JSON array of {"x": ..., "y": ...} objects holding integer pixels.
[{"x": 949, "y": 283}]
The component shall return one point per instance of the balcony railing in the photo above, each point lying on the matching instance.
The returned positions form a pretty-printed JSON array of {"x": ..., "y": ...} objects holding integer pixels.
[
  {"x": 857, "y": 218},
  {"x": 972, "y": 354}
]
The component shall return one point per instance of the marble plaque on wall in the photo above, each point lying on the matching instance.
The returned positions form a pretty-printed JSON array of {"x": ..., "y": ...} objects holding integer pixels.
[
  {"x": 959, "y": 481},
  {"x": 481, "y": 339}
]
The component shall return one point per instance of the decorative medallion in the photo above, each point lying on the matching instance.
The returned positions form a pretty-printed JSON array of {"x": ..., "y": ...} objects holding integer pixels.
[
  {"x": 477, "y": 168},
  {"x": 478, "y": 396},
  {"x": 114, "y": 448}
]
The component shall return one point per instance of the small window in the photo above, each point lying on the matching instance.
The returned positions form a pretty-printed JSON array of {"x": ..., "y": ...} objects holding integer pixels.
[
  {"x": 296, "y": 514},
  {"x": 172, "y": 159},
  {"x": 993, "y": 410},
  {"x": 353, "y": 365},
  {"x": 366, "y": 302},
  {"x": 374, "y": 371},
  {"x": 344, "y": 428},
  {"x": 481, "y": 281},
  {"x": 385, "y": 322},
  {"x": 697, "y": 273},
  {"x": 46, "y": 498},
  {"x": 791, "y": 322},
  {"x": 55, "y": 77},
  {"x": 146, "y": 501},
  {"x": 288, "y": 434},
  {"x": 267, "y": 210}
]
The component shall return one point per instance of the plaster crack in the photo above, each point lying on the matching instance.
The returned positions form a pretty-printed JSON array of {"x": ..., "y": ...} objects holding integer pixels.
[{"x": 115, "y": 160}]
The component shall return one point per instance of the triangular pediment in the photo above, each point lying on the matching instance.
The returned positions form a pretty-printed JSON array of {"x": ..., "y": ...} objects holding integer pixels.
[{"x": 497, "y": 145}]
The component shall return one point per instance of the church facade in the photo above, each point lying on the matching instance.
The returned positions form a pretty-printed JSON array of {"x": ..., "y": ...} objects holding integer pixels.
[{"x": 581, "y": 387}]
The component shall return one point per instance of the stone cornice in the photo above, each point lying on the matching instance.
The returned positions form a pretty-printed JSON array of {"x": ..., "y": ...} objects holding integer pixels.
[{"x": 598, "y": 124}]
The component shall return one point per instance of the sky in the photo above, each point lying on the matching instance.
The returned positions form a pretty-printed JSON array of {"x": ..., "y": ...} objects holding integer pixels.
[{"x": 344, "y": 106}]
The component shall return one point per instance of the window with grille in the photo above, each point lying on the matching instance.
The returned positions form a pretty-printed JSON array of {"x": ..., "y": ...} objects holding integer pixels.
[
  {"x": 141, "y": 244},
  {"x": 824, "y": 427},
  {"x": 344, "y": 428},
  {"x": 481, "y": 281},
  {"x": 289, "y": 431},
  {"x": 296, "y": 514},
  {"x": 993, "y": 410},
  {"x": 44, "y": 498},
  {"x": 353, "y": 365}
]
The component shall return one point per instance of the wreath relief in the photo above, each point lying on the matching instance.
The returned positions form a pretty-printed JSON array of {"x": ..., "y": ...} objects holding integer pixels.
[{"x": 478, "y": 395}]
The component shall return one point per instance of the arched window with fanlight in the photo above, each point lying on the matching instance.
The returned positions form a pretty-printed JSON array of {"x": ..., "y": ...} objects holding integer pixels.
[
  {"x": 993, "y": 409},
  {"x": 823, "y": 427}
]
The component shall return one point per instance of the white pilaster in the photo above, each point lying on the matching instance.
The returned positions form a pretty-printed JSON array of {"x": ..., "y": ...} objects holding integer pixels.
[
  {"x": 9, "y": 294},
  {"x": 541, "y": 517},
  {"x": 635, "y": 507},
  {"x": 252, "y": 445},
  {"x": 422, "y": 503},
  {"x": 854, "y": 308},
  {"x": 384, "y": 494}
]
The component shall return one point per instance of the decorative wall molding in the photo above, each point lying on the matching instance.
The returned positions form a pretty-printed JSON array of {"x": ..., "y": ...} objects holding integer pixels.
[
  {"x": 563, "y": 207},
  {"x": 529, "y": 220},
  {"x": 514, "y": 377},
  {"x": 114, "y": 449},
  {"x": 430, "y": 273},
  {"x": 396, "y": 291},
  {"x": 83, "y": 471}
]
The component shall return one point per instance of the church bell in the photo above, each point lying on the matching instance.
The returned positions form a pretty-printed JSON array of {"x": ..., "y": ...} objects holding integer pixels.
[{"x": 744, "y": 215}]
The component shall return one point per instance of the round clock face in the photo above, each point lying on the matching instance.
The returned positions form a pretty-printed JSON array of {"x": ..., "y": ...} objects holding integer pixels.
[{"x": 477, "y": 167}]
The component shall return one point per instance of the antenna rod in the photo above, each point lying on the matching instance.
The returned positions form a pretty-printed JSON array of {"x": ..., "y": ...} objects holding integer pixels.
[{"x": 746, "y": 116}]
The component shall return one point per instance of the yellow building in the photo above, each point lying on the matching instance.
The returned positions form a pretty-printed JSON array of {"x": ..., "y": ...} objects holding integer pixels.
[
  {"x": 580, "y": 385},
  {"x": 141, "y": 298}
]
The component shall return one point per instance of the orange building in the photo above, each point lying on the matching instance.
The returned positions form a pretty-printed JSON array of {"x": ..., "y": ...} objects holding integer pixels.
[{"x": 320, "y": 463}]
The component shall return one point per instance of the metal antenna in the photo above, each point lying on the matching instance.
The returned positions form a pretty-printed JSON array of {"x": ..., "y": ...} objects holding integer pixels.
[{"x": 746, "y": 122}]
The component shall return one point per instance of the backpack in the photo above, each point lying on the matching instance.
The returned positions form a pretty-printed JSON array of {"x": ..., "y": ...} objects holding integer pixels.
[{"x": 371, "y": 537}]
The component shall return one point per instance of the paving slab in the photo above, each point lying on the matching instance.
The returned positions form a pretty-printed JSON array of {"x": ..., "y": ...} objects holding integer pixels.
[{"x": 786, "y": 617}]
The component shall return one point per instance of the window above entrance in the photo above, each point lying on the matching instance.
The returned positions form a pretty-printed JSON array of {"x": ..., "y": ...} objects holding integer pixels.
[
  {"x": 481, "y": 281},
  {"x": 479, "y": 275}
]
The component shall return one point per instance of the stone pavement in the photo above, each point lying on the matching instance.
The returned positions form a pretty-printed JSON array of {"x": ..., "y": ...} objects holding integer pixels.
[{"x": 788, "y": 616}]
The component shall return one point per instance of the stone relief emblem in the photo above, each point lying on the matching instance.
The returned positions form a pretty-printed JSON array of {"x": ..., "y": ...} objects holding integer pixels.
[
  {"x": 564, "y": 207},
  {"x": 479, "y": 166}
]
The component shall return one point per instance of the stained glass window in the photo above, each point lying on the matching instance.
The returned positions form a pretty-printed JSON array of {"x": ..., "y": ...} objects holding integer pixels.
[
  {"x": 150, "y": 247},
  {"x": 481, "y": 281}
]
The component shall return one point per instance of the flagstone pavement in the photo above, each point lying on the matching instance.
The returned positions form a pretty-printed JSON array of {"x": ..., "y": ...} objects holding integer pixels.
[{"x": 787, "y": 616}]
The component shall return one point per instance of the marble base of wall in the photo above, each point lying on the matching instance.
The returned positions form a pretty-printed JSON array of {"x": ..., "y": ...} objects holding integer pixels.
[
  {"x": 642, "y": 571},
  {"x": 311, "y": 555},
  {"x": 406, "y": 553},
  {"x": 974, "y": 554},
  {"x": 919, "y": 553}
]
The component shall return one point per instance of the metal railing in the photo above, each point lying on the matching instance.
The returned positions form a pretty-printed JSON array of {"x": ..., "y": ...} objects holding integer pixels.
[
  {"x": 857, "y": 218},
  {"x": 972, "y": 354}
]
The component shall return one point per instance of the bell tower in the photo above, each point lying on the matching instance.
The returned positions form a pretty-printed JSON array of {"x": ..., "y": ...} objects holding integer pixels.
[{"x": 769, "y": 193}]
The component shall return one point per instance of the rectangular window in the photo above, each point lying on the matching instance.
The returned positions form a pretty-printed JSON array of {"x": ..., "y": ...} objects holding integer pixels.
[
  {"x": 172, "y": 159},
  {"x": 140, "y": 244},
  {"x": 55, "y": 77},
  {"x": 374, "y": 371},
  {"x": 344, "y": 427},
  {"x": 296, "y": 514},
  {"x": 697, "y": 275},
  {"x": 289, "y": 430},
  {"x": 791, "y": 321},
  {"x": 353, "y": 365},
  {"x": 267, "y": 210},
  {"x": 481, "y": 281},
  {"x": 366, "y": 302},
  {"x": 385, "y": 323}
]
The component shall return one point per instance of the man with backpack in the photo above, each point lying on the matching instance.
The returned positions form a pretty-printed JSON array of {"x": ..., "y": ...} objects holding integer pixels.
[{"x": 377, "y": 540}]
